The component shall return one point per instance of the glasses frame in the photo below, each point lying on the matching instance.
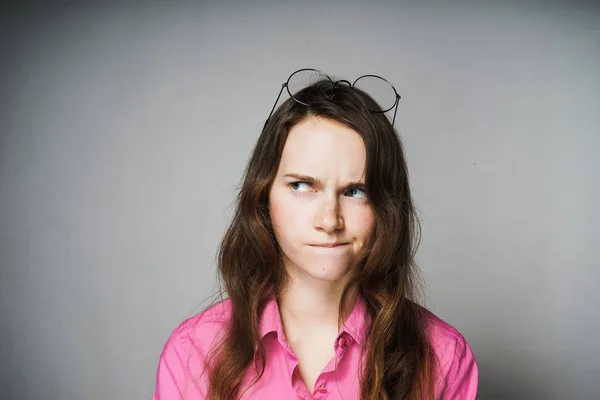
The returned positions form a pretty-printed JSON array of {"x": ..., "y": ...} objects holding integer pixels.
[{"x": 286, "y": 86}]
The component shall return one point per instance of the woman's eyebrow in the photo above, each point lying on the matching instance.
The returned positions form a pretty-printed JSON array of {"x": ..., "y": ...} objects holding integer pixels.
[
  {"x": 301, "y": 177},
  {"x": 311, "y": 179}
]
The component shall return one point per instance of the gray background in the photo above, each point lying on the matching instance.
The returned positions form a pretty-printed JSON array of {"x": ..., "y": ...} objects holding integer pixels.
[{"x": 125, "y": 129}]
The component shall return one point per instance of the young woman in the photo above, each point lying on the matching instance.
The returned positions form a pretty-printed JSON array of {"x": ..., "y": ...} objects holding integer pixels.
[{"x": 318, "y": 265}]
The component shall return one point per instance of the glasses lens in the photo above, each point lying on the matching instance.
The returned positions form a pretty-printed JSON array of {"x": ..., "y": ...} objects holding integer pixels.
[
  {"x": 303, "y": 78},
  {"x": 379, "y": 89}
]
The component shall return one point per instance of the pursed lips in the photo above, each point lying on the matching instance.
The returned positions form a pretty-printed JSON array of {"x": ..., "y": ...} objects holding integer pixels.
[{"x": 330, "y": 245}]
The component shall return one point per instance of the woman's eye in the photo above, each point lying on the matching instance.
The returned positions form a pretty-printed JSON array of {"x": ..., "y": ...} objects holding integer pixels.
[
  {"x": 301, "y": 187},
  {"x": 358, "y": 192},
  {"x": 297, "y": 186}
]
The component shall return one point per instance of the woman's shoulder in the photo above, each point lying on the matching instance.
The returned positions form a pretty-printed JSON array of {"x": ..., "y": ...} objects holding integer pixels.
[
  {"x": 456, "y": 361},
  {"x": 182, "y": 359},
  {"x": 217, "y": 313},
  {"x": 440, "y": 332},
  {"x": 205, "y": 326},
  {"x": 446, "y": 341}
]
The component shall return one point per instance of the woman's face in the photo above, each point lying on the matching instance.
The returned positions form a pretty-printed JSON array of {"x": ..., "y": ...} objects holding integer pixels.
[{"x": 318, "y": 198}]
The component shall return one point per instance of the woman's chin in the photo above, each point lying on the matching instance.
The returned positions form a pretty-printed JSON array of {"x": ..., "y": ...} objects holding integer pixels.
[{"x": 329, "y": 273}]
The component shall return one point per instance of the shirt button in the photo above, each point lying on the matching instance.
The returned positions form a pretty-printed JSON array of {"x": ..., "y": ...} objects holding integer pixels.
[
  {"x": 322, "y": 388},
  {"x": 342, "y": 342}
]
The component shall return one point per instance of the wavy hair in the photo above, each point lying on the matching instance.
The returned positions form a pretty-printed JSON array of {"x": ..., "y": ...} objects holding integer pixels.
[{"x": 399, "y": 360}]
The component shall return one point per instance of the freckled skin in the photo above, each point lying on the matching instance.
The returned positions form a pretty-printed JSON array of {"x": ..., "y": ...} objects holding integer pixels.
[{"x": 311, "y": 213}]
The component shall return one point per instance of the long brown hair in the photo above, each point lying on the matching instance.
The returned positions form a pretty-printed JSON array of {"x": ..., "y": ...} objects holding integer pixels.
[{"x": 398, "y": 360}]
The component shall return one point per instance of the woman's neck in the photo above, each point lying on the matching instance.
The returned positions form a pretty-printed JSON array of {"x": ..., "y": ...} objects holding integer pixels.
[{"x": 314, "y": 303}]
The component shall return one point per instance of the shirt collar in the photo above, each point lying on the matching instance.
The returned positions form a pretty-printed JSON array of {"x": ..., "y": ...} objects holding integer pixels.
[
  {"x": 357, "y": 322},
  {"x": 355, "y": 325},
  {"x": 271, "y": 319}
]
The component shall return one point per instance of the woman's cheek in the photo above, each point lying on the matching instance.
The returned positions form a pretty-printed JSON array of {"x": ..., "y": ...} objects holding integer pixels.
[
  {"x": 280, "y": 215},
  {"x": 275, "y": 211}
]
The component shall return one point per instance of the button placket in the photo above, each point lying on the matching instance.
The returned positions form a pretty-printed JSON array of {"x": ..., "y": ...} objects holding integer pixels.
[
  {"x": 322, "y": 388},
  {"x": 340, "y": 346}
]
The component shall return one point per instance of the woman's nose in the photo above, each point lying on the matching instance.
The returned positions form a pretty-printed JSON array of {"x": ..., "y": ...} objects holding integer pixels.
[{"x": 329, "y": 217}]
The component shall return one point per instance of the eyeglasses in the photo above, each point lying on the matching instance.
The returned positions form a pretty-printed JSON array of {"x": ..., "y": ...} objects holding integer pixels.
[{"x": 380, "y": 89}]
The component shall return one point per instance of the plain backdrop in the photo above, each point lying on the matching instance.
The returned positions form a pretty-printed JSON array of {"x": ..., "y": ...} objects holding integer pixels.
[{"x": 125, "y": 128}]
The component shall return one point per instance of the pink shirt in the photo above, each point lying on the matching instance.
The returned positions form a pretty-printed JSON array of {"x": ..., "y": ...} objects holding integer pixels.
[{"x": 182, "y": 359}]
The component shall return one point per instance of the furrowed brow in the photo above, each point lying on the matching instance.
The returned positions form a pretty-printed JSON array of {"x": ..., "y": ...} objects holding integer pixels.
[
  {"x": 311, "y": 179},
  {"x": 304, "y": 178}
]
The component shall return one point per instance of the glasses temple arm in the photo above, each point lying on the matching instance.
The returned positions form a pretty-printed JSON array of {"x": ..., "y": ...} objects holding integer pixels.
[
  {"x": 395, "y": 109},
  {"x": 278, "y": 96}
]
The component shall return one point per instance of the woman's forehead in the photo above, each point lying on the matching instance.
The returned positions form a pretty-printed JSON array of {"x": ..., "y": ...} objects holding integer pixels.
[{"x": 321, "y": 146}]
